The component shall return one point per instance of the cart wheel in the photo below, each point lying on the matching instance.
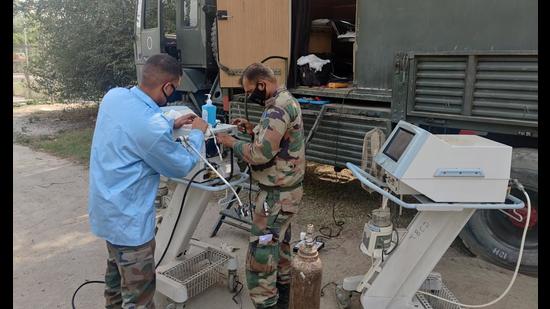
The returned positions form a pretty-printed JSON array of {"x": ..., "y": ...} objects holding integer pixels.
[{"x": 232, "y": 281}]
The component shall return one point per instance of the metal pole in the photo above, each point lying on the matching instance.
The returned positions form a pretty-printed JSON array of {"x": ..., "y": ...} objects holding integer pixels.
[{"x": 316, "y": 124}]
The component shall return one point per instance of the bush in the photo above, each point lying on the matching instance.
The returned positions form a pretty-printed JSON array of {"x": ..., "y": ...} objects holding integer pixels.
[{"x": 83, "y": 48}]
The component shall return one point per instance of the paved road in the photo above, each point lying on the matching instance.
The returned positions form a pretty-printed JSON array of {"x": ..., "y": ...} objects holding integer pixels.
[{"x": 54, "y": 251}]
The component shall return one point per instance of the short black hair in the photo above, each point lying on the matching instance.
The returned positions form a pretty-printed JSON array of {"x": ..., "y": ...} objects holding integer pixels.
[
  {"x": 159, "y": 69},
  {"x": 257, "y": 71}
]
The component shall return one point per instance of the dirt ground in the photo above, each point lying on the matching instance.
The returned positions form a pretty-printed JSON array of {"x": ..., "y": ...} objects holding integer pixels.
[
  {"x": 48, "y": 119},
  {"x": 54, "y": 252}
]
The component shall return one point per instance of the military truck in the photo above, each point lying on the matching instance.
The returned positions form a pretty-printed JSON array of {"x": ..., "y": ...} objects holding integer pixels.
[{"x": 467, "y": 67}]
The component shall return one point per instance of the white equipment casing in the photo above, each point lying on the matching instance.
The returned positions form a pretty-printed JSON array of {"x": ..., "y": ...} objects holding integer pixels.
[
  {"x": 446, "y": 168},
  {"x": 450, "y": 176},
  {"x": 182, "y": 216},
  {"x": 376, "y": 239}
]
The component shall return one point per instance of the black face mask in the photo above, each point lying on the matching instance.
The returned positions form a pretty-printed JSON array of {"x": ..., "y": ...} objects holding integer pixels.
[
  {"x": 258, "y": 96},
  {"x": 173, "y": 97}
]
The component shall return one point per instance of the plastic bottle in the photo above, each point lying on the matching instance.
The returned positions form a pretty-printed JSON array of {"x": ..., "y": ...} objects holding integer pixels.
[{"x": 209, "y": 112}]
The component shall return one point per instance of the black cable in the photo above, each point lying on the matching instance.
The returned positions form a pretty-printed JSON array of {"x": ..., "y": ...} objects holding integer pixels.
[
  {"x": 249, "y": 167},
  {"x": 238, "y": 293},
  {"x": 319, "y": 237},
  {"x": 394, "y": 220},
  {"x": 286, "y": 64},
  {"x": 396, "y": 242},
  {"x": 179, "y": 214},
  {"x": 232, "y": 168},
  {"x": 83, "y": 284},
  {"x": 274, "y": 57},
  {"x": 339, "y": 224},
  {"x": 246, "y": 107},
  {"x": 232, "y": 156},
  {"x": 169, "y": 240},
  {"x": 324, "y": 286}
]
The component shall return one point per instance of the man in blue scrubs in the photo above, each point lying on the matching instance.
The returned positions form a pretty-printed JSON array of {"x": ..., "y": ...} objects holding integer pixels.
[{"x": 131, "y": 147}]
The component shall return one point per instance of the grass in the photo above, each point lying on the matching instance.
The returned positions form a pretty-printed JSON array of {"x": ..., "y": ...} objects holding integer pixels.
[
  {"x": 72, "y": 135},
  {"x": 73, "y": 145},
  {"x": 20, "y": 90}
]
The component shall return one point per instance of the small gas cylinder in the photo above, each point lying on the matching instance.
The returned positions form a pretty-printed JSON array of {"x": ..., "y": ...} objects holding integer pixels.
[{"x": 306, "y": 275}]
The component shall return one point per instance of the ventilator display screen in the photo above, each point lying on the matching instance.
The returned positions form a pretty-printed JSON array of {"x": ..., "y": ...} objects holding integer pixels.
[{"x": 398, "y": 144}]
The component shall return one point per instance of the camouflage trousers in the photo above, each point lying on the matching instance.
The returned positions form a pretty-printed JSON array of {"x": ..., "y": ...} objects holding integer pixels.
[
  {"x": 130, "y": 276},
  {"x": 268, "y": 259}
]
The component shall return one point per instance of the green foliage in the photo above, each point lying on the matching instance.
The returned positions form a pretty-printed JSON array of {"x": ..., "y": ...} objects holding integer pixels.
[
  {"x": 20, "y": 89},
  {"x": 20, "y": 25},
  {"x": 84, "y": 48},
  {"x": 169, "y": 7}
]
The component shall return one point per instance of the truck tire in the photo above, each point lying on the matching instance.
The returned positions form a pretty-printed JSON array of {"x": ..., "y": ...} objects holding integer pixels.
[{"x": 491, "y": 235}]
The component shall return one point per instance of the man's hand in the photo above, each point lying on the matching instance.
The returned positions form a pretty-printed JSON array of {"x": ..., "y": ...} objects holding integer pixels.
[
  {"x": 200, "y": 124},
  {"x": 183, "y": 120},
  {"x": 243, "y": 125},
  {"x": 225, "y": 139}
]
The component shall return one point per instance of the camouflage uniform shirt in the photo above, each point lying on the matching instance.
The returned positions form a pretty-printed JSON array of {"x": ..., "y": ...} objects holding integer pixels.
[{"x": 277, "y": 153}]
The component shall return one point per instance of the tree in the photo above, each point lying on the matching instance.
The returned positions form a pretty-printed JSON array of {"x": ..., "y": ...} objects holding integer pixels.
[
  {"x": 20, "y": 24},
  {"x": 84, "y": 48}
]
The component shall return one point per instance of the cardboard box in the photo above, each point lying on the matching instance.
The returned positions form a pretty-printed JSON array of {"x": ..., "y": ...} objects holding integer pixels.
[{"x": 320, "y": 40}]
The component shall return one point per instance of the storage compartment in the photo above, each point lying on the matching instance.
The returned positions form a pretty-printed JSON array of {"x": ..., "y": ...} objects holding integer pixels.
[
  {"x": 200, "y": 272},
  {"x": 320, "y": 39},
  {"x": 330, "y": 36}
]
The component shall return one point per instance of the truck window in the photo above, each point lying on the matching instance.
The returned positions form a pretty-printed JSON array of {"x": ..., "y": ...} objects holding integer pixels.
[
  {"x": 190, "y": 8},
  {"x": 151, "y": 14},
  {"x": 169, "y": 7}
]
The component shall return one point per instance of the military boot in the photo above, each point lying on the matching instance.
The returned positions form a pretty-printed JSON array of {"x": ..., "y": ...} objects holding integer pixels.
[{"x": 284, "y": 294}]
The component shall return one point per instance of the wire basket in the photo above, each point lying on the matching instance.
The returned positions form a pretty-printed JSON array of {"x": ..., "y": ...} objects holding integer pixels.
[
  {"x": 199, "y": 272},
  {"x": 433, "y": 303}
]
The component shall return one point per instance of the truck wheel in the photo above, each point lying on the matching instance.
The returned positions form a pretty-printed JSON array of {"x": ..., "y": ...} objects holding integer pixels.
[{"x": 495, "y": 236}]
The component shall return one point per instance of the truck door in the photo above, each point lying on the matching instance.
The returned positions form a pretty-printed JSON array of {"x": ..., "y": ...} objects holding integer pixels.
[
  {"x": 250, "y": 31},
  {"x": 147, "y": 29}
]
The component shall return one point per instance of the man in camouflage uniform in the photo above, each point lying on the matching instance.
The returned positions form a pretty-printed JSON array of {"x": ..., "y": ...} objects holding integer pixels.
[{"x": 277, "y": 160}]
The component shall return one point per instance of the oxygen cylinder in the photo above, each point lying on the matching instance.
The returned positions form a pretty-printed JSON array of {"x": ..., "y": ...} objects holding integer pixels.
[{"x": 306, "y": 275}]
